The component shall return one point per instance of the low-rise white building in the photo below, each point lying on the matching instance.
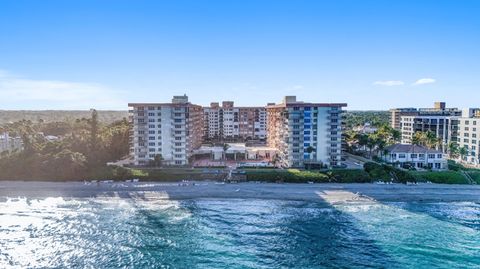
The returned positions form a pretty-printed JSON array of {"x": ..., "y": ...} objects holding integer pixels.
[
  {"x": 419, "y": 157},
  {"x": 8, "y": 143}
]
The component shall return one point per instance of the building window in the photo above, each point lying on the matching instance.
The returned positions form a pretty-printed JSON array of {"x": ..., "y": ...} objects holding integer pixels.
[
  {"x": 401, "y": 156},
  {"x": 413, "y": 156}
]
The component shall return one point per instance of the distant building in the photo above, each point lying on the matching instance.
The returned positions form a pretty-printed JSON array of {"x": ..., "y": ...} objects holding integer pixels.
[
  {"x": 295, "y": 128},
  {"x": 172, "y": 130},
  {"x": 367, "y": 128},
  {"x": 439, "y": 120},
  {"x": 415, "y": 156},
  {"x": 396, "y": 115},
  {"x": 231, "y": 123},
  {"x": 439, "y": 109},
  {"x": 8, "y": 143}
]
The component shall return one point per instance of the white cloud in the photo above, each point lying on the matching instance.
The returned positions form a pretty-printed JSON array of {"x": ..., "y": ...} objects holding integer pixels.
[
  {"x": 424, "y": 81},
  {"x": 56, "y": 94},
  {"x": 389, "y": 83}
]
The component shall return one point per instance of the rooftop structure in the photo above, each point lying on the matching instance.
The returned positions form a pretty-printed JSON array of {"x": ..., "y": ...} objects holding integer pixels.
[{"x": 439, "y": 109}]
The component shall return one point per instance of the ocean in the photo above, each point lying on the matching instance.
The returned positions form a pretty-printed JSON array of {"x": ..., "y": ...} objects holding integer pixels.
[{"x": 147, "y": 231}]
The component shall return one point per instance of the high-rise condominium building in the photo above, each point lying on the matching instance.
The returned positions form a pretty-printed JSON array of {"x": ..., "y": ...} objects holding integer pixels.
[
  {"x": 442, "y": 126},
  {"x": 305, "y": 132},
  {"x": 396, "y": 115},
  {"x": 439, "y": 120},
  {"x": 468, "y": 135},
  {"x": 170, "y": 130},
  {"x": 228, "y": 122},
  {"x": 439, "y": 109}
]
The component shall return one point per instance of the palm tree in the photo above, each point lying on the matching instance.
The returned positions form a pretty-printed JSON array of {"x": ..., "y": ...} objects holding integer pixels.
[
  {"x": 418, "y": 138},
  {"x": 396, "y": 135},
  {"x": 372, "y": 143},
  {"x": 310, "y": 150},
  {"x": 453, "y": 150},
  {"x": 463, "y": 151},
  {"x": 158, "y": 160},
  {"x": 225, "y": 148},
  {"x": 430, "y": 139}
]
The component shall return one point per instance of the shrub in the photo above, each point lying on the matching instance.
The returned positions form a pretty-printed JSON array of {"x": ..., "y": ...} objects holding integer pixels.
[
  {"x": 452, "y": 165},
  {"x": 350, "y": 176},
  {"x": 444, "y": 177},
  {"x": 475, "y": 175}
]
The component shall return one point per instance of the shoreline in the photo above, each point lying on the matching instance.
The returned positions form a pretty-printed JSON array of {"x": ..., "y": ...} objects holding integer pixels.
[{"x": 318, "y": 192}]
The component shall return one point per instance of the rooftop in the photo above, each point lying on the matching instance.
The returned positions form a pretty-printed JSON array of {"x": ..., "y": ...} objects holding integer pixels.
[{"x": 402, "y": 148}]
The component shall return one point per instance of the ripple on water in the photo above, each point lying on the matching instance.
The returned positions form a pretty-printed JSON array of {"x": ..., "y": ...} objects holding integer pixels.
[{"x": 144, "y": 232}]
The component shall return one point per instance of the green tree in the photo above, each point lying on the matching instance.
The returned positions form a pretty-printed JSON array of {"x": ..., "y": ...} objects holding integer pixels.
[
  {"x": 453, "y": 150},
  {"x": 463, "y": 151}
]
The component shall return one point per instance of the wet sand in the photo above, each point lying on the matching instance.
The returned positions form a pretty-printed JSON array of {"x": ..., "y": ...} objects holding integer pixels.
[{"x": 333, "y": 193}]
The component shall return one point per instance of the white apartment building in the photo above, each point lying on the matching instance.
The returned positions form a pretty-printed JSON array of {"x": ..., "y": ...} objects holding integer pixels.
[
  {"x": 8, "y": 143},
  {"x": 415, "y": 156},
  {"x": 468, "y": 135},
  {"x": 295, "y": 128},
  {"x": 228, "y": 122},
  {"x": 172, "y": 130},
  {"x": 441, "y": 126}
]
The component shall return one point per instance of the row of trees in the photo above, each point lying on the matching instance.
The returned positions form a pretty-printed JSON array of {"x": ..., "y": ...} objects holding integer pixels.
[
  {"x": 374, "y": 142},
  {"x": 360, "y": 118},
  {"x": 83, "y": 148}
]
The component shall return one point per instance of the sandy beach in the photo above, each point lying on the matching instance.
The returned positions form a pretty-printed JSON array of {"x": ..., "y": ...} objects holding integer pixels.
[{"x": 198, "y": 190}]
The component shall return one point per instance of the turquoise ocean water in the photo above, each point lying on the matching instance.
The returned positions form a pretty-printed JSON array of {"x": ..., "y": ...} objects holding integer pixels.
[{"x": 114, "y": 232}]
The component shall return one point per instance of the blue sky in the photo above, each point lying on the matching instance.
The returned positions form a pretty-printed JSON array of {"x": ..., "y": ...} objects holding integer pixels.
[{"x": 371, "y": 54}]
